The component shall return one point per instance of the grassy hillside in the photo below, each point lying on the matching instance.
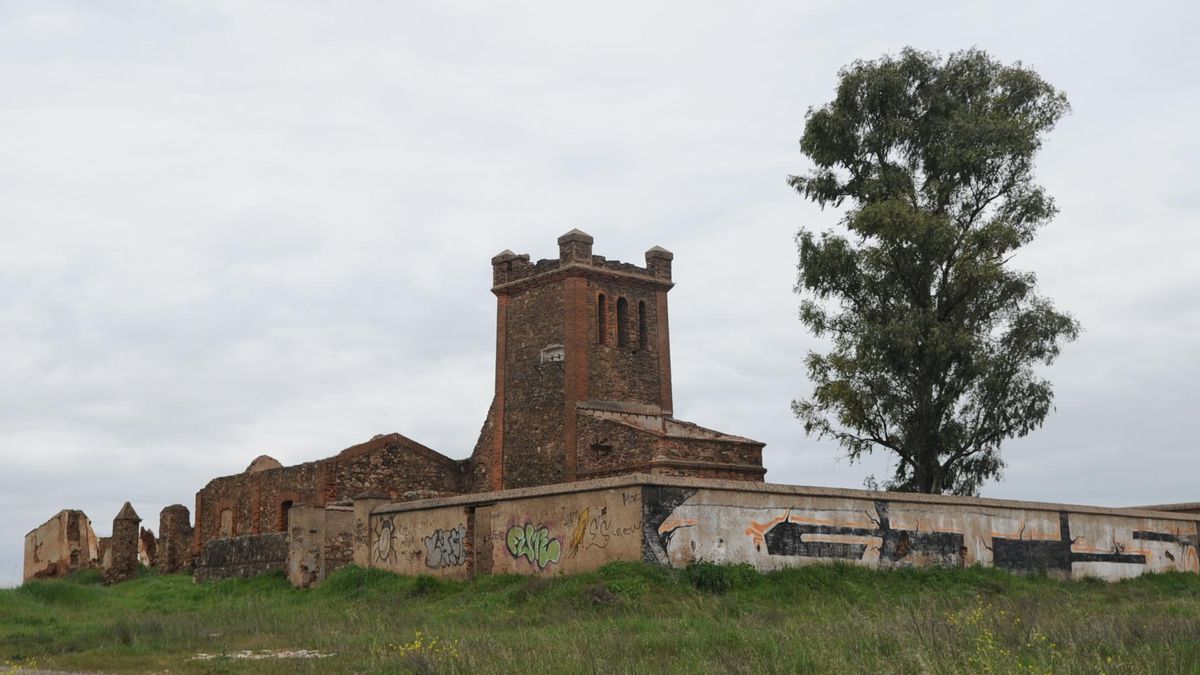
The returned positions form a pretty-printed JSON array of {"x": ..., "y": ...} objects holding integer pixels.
[{"x": 623, "y": 618}]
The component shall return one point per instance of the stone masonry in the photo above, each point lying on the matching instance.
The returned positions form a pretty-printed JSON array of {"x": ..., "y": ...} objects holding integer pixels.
[
  {"x": 583, "y": 390},
  {"x": 123, "y": 546},
  {"x": 174, "y": 539},
  {"x": 583, "y": 376}
]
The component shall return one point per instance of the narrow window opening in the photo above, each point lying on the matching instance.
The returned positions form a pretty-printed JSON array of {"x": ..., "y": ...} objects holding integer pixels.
[
  {"x": 601, "y": 318},
  {"x": 622, "y": 322},
  {"x": 283, "y": 515},
  {"x": 642, "y": 324}
]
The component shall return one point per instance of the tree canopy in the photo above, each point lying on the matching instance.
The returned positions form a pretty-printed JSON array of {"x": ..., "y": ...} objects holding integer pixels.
[{"x": 934, "y": 336}]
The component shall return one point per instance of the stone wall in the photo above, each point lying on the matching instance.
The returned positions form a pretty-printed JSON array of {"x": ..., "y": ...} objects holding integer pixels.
[
  {"x": 679, "y": 521},
  {"x": 534, "y": 451},
  {"x": 246, "y": 556},
  {"x": 577, "y": 334},
  {"x": 123, "y": 547},
  {"x": 174, "y": 539},
  {"x": 60, "y": 546},
  {"x": 256, "y": 502}
]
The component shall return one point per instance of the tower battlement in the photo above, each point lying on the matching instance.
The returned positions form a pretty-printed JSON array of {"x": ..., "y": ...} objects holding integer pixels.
[
  {"x": 583, "y": 375},
  {"x": 575, "y": 251}
]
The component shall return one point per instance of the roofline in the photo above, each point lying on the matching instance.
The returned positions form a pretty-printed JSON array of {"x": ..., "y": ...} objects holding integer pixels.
[{"x": 634, "y": 480}]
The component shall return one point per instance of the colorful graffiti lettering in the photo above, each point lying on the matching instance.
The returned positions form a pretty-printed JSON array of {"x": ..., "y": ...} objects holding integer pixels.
[
  {"x": 444, "y": 548},
  {"x": 534, "y": 544}
]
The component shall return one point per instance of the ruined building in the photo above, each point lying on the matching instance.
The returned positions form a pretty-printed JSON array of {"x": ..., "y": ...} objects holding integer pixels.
[
  {"x": 580, "y": 462},
  {"x": 583, "y": 390}
]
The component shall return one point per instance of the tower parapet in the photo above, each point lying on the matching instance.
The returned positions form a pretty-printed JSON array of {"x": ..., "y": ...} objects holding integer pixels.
[
  {"x": 575, "y": 254},
  {"x": 583, "y": 375}
]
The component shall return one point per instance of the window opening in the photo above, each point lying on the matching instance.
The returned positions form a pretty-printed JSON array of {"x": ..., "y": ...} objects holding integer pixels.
[
  {"x": 226, "y": 529},
  {"x": 283, "y": 515},
  {"x": 622, "y": 322},
  {"x": 601, "y": 318},
  {"x": 642, "y": 324}
]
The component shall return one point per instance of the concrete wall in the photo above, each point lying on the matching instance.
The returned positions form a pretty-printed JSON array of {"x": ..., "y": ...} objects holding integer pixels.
[
  {"x": 678, "y": 521},
  {"x": 61, "y": 545},
  {"x": 788, "y": 526},
  {"x": 433, "y": 541},
  {"x": 570, "y": 532},
  {"x": 566, "y": 531},
  {"x": 320, "y": 540}
]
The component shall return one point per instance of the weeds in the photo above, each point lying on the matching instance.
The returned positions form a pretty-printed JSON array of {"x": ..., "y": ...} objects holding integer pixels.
[{"x": 624, "y": 617}]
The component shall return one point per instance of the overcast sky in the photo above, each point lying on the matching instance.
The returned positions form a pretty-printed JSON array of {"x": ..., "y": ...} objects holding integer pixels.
[{"x": 229, "y": 229}]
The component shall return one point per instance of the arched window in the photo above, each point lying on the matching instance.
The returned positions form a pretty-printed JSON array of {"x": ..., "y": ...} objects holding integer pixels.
[
  {"x": 642, "y": 324},
  {"x": 283, "y": 515},
  {"x": 622, "y": 322},
  {"x": 601, "y": 318}
]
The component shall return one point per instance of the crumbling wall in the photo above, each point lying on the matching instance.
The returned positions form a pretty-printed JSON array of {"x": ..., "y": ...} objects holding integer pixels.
[
  {"x": 147, "y": 548},
  {"x": 123, "y": 546},
  {"x": 64, "y": 544},
  {"x": 320, "y": 541},
  {"x": 174, "y": 539},
  {"x": 256, "y": 502},
  {"x": 246, "y": 556}
]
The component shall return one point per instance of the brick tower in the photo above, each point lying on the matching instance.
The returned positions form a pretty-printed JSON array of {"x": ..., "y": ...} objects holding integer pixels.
[{"x": 583, "y": 376}]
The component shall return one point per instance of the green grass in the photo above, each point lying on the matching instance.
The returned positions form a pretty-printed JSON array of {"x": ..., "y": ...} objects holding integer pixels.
[{"x": 622, "y": 618}]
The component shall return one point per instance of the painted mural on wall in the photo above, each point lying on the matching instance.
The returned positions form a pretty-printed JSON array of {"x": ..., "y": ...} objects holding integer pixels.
[
  {"x": 679, "y": 529},
  {"x": 384, "y": 547},
  {"x": 446, "y": 548}
]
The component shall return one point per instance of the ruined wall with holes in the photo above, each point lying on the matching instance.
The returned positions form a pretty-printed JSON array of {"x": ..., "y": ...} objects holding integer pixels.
[
  {"x": 679, "y": 521},
  {"x": 64, "y": 544},
  {"x": 320, "y": 541},
  {"x": 257, "y": 500}
]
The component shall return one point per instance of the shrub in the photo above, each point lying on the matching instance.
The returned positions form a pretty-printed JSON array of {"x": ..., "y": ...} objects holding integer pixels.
[{"x": 719, "y": 578}]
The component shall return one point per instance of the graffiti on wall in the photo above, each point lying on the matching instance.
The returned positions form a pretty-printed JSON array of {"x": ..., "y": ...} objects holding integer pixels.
[
  {"x": 384, "y": 547},
  {"x": 534, "y": 544},
  {"x": 794, "y": 534},
  {"x": 678, "y": 532},
  {"x": 592, "y": 529},
  {"x": 1058, "y": 551},
  {"x": 444, "y": 548}
]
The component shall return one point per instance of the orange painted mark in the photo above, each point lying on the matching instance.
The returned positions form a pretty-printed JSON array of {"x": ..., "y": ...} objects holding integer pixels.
[
  {"x": 758, "y": 531},
  {"x": 675, "y": 523},
  {"x": 1191, "y": 560}
]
